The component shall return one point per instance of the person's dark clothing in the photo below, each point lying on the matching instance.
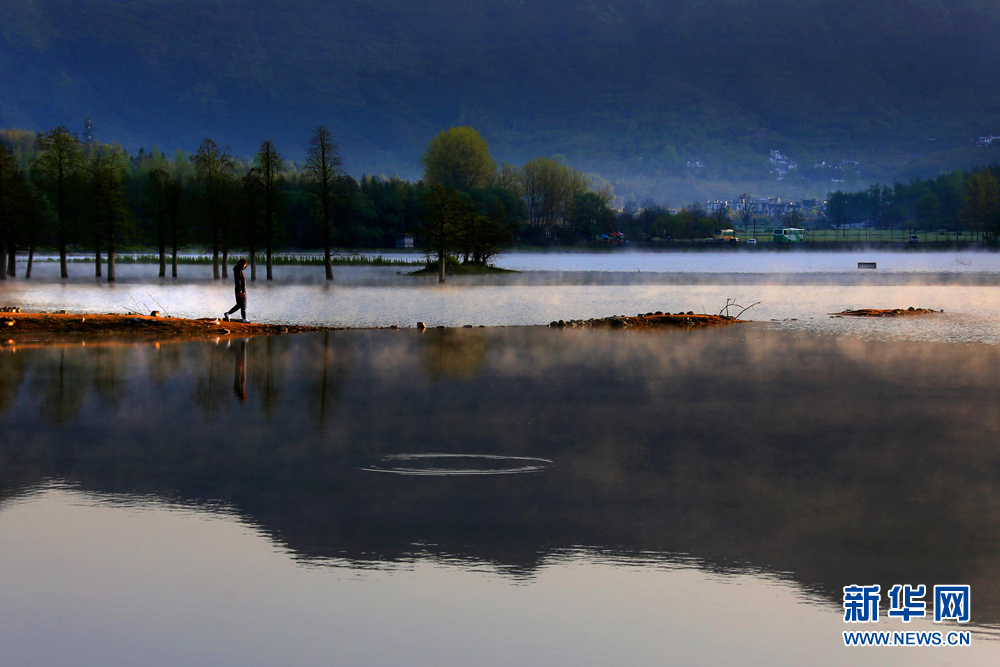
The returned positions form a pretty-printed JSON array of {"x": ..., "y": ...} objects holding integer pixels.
[
  {"x": 241, "y": 282},
  {"x": 241, "y": 292}
]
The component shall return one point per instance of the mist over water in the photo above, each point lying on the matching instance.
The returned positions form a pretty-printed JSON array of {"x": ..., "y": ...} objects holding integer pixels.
[{"x": 804, "y": 286}]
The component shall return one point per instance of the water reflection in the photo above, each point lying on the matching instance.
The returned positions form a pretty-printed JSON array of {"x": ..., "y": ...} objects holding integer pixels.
[
  {"x": 830, "y": 461},
  {"x": 452, "y": 353},
  {"x": 240, "y": 374}
]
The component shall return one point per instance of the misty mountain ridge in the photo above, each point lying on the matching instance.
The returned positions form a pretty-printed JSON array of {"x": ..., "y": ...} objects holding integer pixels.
[{"x": 658, "y": 97}]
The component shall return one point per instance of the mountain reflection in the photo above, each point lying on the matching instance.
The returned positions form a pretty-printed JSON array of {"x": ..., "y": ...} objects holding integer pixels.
[{"x": 836, "y": 461}]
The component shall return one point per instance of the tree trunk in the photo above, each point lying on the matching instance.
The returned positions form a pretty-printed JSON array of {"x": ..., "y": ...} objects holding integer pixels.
[
  {"x": 225, "y": 262},
  {"x": 163, "y": 256},
  {"x": 3, "y": 253},
  {"x": 173, "y": 260},
  {"x": 329, "y": 263},
  {"x": 111, "y": 262},
  {"x": 12, "y": 260},
  {"x": 31, "y": 259},
  {"x": 253, "y": 258},
  {"x": 215, "y": 254},
  {"x": 270, "y": 233},
  {"x": 62, "y": 239},
  {"x": 62, "y": 255},
  {"x": 97, "y": 258},
  {"x": 441, "y": 263}
]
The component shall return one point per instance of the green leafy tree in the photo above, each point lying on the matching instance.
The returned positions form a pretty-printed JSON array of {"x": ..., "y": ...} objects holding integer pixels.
[
  {"x": 927, "y": 208},
  {"x": 270, "y": 168},
  {"x": 58, "y": 164},
  {"x": 12, "y": 185},
  {"x": 549, "y": 189},
  {"x": 592, "y": 215},
  {"x": 325, "y": 186},
  {"x": 213, "y": 165},
  {"x": 112, "y": 217},
  {"x": 510, "y": 178},
  {"x": 458, "y": 158},
  {"x": 447, "y": 217},
  {"x": 837, "y": 208},
  {"x": 493, "y": 227},
  {"x": 982, "y": 203}
]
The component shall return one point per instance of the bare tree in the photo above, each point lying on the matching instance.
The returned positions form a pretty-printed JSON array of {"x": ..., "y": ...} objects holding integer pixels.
[
  {"x": 155, "y": 208},
  {"x": 112, "y": 214},
  {"x": 325, "y": 169},
  {"x": 270, "y": 168},
  {"x": 11, "y": 183},
  {"x": 250, "y": 198},
  {"x": 721, "y": 216},
  {"x": 213, "y": 165},
  {"x": 59, "y": 162},
  {"x": 745, "y": 209}
]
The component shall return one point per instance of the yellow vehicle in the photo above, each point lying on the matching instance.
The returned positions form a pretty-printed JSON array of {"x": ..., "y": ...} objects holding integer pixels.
[{"x": 725, "y": 236}]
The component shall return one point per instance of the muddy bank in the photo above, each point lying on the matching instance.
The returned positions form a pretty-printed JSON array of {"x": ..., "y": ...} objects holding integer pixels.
[
  {"x": 649, "y": 321},
  {"x": 884, "y": 312},
  {"x": 19, "y": 328},
  {"x": 52, "y": 327}
]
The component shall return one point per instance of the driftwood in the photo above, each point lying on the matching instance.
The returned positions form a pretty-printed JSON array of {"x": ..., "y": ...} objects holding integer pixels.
[{"x": 884, "y": 312}]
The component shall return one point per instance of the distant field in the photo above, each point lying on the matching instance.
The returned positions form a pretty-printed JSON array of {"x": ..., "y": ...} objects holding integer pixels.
[{"x": 765, "y": 235}]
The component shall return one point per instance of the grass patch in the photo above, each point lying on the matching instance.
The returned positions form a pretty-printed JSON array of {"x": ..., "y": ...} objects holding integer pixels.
[{"x": 455, "y": 268}]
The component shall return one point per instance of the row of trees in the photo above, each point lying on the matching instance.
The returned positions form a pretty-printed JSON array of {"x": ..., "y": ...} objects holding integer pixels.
[
  {"x": 98, "y": 197},
  {"x": 957, "y": 201},
  {"x": 57, "y": 192}
]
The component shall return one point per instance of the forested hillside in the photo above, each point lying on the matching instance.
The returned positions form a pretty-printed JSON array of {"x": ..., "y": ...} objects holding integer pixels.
[{"x": 648, "y": 94}]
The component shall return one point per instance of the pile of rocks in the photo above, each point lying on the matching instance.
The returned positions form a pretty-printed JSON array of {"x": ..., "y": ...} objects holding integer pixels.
[{"x": 646, "y": 321}]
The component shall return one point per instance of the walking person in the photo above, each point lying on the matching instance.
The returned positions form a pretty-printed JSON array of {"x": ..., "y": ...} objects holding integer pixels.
[{"x": 241, "y": 292}]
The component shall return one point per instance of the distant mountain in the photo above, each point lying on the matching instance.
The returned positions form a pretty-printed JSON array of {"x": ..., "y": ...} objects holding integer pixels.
[{"x": 641, "y": 91}]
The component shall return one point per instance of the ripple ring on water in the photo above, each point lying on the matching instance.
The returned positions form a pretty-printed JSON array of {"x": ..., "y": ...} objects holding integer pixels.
[{"x": 434, "y": 464}]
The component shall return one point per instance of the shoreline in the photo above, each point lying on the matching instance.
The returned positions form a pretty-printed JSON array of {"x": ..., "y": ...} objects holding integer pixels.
[{"x": 18, "y": 328}]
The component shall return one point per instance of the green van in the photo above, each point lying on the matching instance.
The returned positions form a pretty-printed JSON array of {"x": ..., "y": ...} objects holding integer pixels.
[{"x": 789, "y": 235}]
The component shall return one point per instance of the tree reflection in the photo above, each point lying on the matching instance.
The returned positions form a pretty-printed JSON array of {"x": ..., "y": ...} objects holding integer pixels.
[
  {"x": 61, "y": 381},
  {"x": 12, "y": 369},
  {"x": 240, "y": 373},
  {"x": 166, "y": 360},
  {"x": 829, "y": 461},
  {"x": 334, "y": 369},
  {"x": 108, "y": 373},
  {"x": 453, "y": 353},
  {"x": 212, "y": 367},
  {"x": 268, "y": 359}
]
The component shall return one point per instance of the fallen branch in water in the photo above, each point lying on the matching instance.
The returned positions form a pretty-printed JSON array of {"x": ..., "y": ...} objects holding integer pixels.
[
  {"x": 884, "y": 312},
  {"x": 731, "y": 303}
]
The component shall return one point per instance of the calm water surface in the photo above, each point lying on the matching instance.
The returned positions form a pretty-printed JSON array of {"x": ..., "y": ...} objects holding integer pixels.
[
  {"x": 502, "y": 496},
  {"x": 691, "y": 497}
]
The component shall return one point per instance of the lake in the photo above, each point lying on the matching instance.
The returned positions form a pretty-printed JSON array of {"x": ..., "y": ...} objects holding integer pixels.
[{"x": 503, "y": 495}]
